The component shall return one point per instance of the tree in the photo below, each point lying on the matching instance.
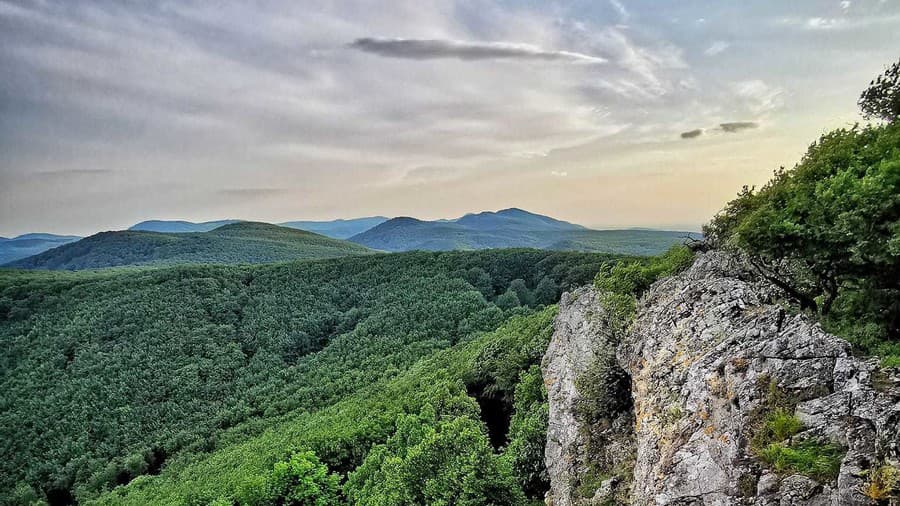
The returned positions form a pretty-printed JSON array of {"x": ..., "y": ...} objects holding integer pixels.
[
  {"x": 882, "y": 98},
  {"x": 522, "y": 291},
  {"x": 481, "y": 280},
  {"x": 430, "y": 461},
  {"x": 507, "y": 300},
  {"x": 546, "y": 292},
  {"x": 302, "y": 480}
]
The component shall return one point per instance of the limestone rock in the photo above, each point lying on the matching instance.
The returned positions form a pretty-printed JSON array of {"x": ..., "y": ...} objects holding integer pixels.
[{"x": 707, "y": 351}]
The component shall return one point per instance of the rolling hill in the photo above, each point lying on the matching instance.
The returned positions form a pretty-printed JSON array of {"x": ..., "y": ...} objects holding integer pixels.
[
  {"x": 513, "y": 228},
  {"x": 236, "y": 243},
  {"x": 179, "y": 226},
  {"x": 339, "y": 229},
  {"x": 26, "y": 245}
]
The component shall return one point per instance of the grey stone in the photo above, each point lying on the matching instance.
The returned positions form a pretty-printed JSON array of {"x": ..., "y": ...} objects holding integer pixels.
[{"x": 705, "y": 352}]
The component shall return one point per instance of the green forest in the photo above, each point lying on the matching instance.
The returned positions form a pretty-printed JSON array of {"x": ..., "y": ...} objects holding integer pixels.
[{"x": 114, "y": 375}]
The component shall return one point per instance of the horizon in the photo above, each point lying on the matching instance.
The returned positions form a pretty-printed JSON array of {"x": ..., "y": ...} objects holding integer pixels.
[
  {"x": 387, "y": 218},
  {"x": 613, "y": 115}
]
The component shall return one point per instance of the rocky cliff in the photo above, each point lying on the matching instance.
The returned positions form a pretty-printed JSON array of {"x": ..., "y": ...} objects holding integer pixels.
[{"x": 729, "y": 398}]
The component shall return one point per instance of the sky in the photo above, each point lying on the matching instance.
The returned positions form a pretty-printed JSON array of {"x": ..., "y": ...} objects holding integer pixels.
[{"x": 610, "y": 113}]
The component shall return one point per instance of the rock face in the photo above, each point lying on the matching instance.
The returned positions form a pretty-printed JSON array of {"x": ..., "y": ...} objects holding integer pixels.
[
  {"x": 710, "y": 354},
  {"x": 578, "y": 334}
]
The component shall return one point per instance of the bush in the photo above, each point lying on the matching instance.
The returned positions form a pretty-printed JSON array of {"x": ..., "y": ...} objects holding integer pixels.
[{"x": 828, "y": 231}]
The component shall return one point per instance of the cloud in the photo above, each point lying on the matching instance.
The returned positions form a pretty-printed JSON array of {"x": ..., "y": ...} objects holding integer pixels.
[
  {"x": 251, "y": 193},
  {"x": 430, "y": 49},
  {"x": 64, "y": 173},
  {"x": 624, "y": 15},
  {"x": 818, "y": 23},
  {"x": 737, "y": 126},
  {"x": 758, "y": 97},
  {"x": 727, "y": 127},
  {"x": 717, "y": 47}
]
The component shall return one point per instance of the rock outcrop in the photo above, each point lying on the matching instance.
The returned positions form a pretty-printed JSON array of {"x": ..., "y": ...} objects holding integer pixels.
[
  {"x": 578, "y": 336},
  {"x": 711, "y": 355}
]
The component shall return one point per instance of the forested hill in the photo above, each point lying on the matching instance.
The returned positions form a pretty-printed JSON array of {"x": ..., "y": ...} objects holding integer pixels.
[
  {"x": 236, "y": 243},
  {"x": 405, "y": 234},
  {"x": 111, "y": 375},
  {"x": 27, "y": 245}
]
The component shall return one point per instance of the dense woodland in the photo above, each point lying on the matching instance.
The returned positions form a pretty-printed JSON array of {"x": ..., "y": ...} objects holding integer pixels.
[{"x": 112, "y": 375}]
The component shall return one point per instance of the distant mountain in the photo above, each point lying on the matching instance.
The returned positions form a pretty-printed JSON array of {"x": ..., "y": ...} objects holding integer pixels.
[
  {"x": 179, "y": 226},
  {"x": 339, "y": 229},
  {"x": 26, "y": 245},
  {"x": 512, "y": 228},
  {"x": 236, "y": 243},
  {"x": 514, "y": 219}
]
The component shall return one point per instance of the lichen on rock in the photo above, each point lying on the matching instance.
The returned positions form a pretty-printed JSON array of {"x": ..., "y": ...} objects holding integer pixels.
[{"x": 710, "y": 354}]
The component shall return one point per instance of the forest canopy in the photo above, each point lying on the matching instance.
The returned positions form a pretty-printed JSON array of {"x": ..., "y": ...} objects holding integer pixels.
[{"x": 110, "y": 376}]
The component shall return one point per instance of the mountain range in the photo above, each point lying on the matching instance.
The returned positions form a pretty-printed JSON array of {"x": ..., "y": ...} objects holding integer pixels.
[
  {"x": 160, "y": 242},
  {"x": 512, "y": 228},
  {"x": 233, "y": 243},
  {"x": 27, "y": 245}
]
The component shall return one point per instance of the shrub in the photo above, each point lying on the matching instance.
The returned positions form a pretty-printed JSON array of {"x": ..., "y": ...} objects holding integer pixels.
[{"x": 883, "y": 483}]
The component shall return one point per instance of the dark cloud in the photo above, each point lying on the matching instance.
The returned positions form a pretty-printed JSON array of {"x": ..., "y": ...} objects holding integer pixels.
[
  {"x": 729, "y": 127},
  {"x": 428, "y": 49},
  {"x": 737, "y": 126}
]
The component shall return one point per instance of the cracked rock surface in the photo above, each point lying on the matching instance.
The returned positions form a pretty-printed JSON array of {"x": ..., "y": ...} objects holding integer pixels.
[{"x": 706, "y": 352}]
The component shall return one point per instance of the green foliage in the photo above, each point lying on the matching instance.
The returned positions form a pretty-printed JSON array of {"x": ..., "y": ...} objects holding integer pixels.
[
  {"x": 621, "y": 283},
  {"x": 523, "y": 294},
  {"x": 546, "y": 292},
  {"x": 828, "y": 231},
  {"x": 508, "y": 300},
  {"x": 772, "y": 442},
  {"x": 603, "y": 390},
  {"x": 434, "y": 461},
  {"x": 528, "y": 433},
  {"x": 343, "y": 434},
  {"x": 779, "y": 425},
  {"x": 238, "y": 243},
  {"x": 820, "y": 461},
  {"x": 302, "y": 480},
  {"x": 882, "y": 98},
  {"x": 110, "y": 377}
]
